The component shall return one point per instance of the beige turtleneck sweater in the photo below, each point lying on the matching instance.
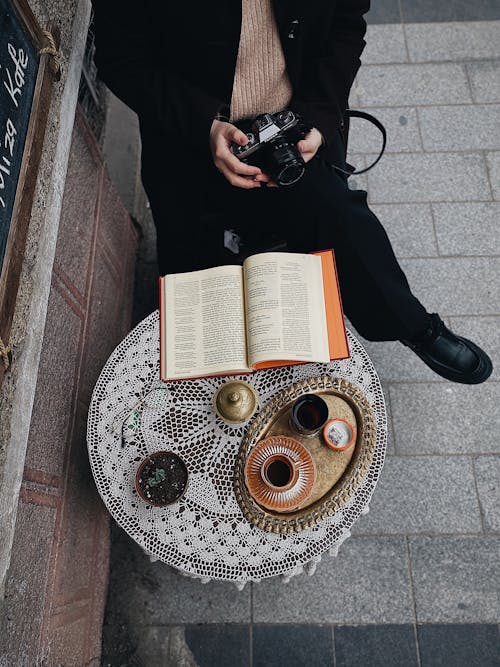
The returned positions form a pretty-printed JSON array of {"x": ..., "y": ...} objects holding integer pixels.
[{"x": 261, "y": 82}]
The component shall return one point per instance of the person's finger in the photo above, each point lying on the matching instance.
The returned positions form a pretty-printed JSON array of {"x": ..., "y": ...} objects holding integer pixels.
[
  {"x": 311, "y": 142},
  {"x": 263, "y": 178},
  {"x": 309, "y": 149},
  {"x": 238, "y": 181},
  {"x": 269, "y": 182},
  {"x": 308, "y": 152},
  {"x": 231, "y": 162},
  {"x": 237, "y": 135},
  {"x": 304, "y": 145}
]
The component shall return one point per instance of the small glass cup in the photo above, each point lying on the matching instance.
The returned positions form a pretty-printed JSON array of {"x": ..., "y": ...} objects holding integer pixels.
[
  {"x": 309, "y": 415},
  {"x": 339, "y": 434}
]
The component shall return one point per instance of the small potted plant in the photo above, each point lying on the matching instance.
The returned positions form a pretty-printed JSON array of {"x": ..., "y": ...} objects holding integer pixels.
[{"x": 161, "y": 478}]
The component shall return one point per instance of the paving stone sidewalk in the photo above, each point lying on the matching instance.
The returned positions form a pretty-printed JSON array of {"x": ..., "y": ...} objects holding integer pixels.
[{"x": 418, "y": 583}]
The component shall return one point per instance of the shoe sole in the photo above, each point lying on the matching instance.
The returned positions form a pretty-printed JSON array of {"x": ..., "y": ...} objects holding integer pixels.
[{"x": 481, "y": 374}]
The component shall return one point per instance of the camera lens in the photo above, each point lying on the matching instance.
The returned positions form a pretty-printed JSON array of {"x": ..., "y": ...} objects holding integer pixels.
[
  {"x": 290, "y": 174},
  {"x": 286, "y": 164}
]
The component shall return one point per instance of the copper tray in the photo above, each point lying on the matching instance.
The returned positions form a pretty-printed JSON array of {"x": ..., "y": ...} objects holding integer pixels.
[{"x": 340, "y": 473}]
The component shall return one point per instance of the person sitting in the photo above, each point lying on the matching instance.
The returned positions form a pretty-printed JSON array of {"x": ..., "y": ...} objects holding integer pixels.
[{"x": 193, "y": 73}]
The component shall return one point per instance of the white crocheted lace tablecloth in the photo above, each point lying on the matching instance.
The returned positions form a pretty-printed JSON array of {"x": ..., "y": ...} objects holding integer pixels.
[{"x": 205, "y": 533}]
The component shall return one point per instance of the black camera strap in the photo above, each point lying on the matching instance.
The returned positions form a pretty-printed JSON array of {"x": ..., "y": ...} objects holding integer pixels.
[{"x": 353, "y": 113}]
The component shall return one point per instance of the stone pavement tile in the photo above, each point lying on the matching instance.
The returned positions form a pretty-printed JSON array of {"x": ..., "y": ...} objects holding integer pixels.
[
  {"x": 479, "y": 10},
  {"x": 384, "y": 12},
  {"x": 487, "y": 471},
  {"x": 179, "y": 599},
  {"x": 485, "y": 332},
  {"x": 390, "y": 450},
  {"x": 367, "y": 583},
  {"x": 456, "y": 579},
  {"x": 409, "y": 227},
  {"x": 484, "y": 77},
  {"x": 74, "y": 236},
  {"x": 402, "y": 132},
  {"x": 467, "y": 229},
  {"x": 375, "y": 646},
  {"x": 26, "y": 583},
  {"x": 353, "y": 99},
  {"x": 384, "y": 44},
  {"x": 452, "y": 41},
  {"x": 423, "y": 494},
  {"x": 155, "y": 594},
  {"x": 219, "y": 645},
  {"x": 459, "y": 645},
  {"x": 460, "y": 128},
  {"x": 292, "y": 645},
  {"x": 396, "y": 363},
  {"x": 153, "y": 646},
  {"x": 358, "y": 181},
  {"x": 445, "y": 418},
  {"x": 493, "y": 162},
  {"x": 53, "y": 417},
  {"x": 427, "y": 10},
  {"x": 422, "y": 177},
  {"x": 455, "y": 286},
  {"x": 408, "y": 85}
]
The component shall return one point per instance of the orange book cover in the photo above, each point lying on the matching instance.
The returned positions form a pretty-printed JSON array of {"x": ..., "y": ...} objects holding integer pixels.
[{"x": 337, "y": 338}]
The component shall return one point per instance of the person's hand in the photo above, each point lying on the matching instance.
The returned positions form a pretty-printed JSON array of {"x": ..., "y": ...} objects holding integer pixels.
[
  {"x": 237, "y": 172},
  {"x": 308, "y": 146},
  {"x": 244, "y": 175}
]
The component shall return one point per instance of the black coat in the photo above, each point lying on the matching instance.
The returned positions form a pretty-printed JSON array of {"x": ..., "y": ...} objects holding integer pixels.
[{"x": 173, "y": 62}]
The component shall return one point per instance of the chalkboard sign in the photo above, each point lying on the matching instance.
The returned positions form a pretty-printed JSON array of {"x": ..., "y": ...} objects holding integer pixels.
[
  {"x": 29, "y": 64},
  {"x": 18, "y": 70}
]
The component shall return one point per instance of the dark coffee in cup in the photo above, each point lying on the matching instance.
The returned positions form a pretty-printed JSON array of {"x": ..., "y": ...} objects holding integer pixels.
[
  {"x": 309, "y": 414},
  {"x": 278, "y": 472}
]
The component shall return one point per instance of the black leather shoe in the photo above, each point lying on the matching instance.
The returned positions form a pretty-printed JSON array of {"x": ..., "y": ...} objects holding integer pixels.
[{"x": 455, "y": 358}]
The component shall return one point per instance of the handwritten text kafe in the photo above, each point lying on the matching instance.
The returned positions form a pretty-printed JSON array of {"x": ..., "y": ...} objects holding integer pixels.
[{"x": 13, "y": 77}]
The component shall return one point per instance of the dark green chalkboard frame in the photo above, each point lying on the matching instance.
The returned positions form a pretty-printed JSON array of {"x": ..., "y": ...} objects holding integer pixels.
[{"x": 48, "y": 72}]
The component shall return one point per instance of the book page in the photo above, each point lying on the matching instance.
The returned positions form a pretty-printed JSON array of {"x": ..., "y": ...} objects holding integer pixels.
[
  {"x": 285, "y": 308},
  {"x": 204, "y": 323}
]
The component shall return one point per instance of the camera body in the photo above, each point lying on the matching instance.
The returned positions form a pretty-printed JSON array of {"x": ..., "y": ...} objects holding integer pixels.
[{"x": 272, "y": 139}]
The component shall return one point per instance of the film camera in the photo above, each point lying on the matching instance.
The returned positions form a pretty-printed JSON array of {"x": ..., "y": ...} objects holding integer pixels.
[{"x": 272, "y": 139}]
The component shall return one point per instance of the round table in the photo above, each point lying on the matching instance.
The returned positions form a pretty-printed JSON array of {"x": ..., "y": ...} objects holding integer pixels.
[{"x": 205, "y": 535}]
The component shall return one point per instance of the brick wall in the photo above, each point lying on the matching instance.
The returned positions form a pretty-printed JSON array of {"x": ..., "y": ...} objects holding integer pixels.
[{"x": 56, "y": 585}]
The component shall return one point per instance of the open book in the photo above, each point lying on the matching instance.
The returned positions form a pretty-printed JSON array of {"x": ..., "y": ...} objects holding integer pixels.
[{"x": 276, "y": 309}]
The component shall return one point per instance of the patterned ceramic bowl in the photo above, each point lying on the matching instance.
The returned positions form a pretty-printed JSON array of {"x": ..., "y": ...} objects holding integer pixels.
[{"x": 280, "y": 473}]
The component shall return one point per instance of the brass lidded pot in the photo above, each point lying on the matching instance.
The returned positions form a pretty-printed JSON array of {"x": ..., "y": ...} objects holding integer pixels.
[{"x": 235, "y": 401}]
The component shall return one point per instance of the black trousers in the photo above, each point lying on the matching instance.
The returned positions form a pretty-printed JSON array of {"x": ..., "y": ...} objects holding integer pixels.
[{"x": 318, "y": 212}]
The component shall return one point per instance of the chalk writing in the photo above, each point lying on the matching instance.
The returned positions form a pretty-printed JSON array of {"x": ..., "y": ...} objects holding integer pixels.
[
  {"x": 8, "y": 142},
  {"x": 5, "y": 162},
  {"x": 18, "y": 71},
  {"x": 14, "y": 80}
]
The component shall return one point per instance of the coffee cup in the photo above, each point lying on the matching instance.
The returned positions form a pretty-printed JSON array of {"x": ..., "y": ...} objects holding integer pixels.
[{"x": 309, "y": 414}]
